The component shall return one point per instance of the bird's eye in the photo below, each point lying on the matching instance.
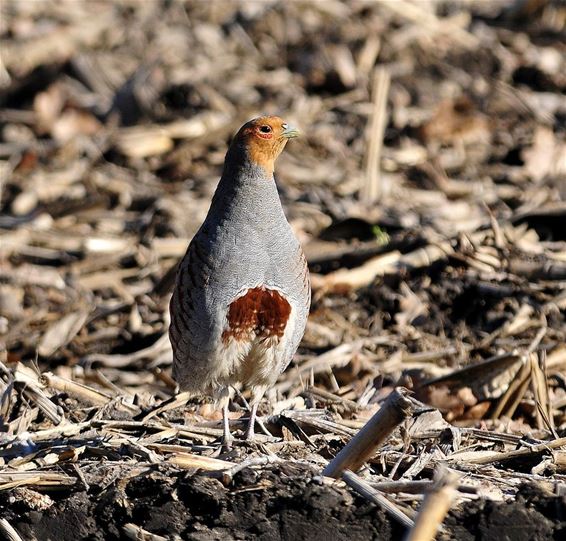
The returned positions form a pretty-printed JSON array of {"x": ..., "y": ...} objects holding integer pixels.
[{"x": 265, "y": 129}]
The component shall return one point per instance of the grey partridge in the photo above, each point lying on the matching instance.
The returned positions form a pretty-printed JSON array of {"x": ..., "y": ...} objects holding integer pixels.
[{"x": 242, "y": 292}]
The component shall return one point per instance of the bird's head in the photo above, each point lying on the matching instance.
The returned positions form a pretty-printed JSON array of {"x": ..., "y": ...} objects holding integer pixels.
[{"x": 262, "y": 140}]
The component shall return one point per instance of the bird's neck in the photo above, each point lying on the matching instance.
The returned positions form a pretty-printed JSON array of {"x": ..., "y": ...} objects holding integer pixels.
[
  {"x": 246, "y": 176},
  {"x": 241, "y": 157},
  {"x": 247, "y": 191}
]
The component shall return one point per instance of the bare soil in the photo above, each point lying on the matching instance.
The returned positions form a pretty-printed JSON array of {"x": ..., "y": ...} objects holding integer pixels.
[{"x": 280, "y": 503}]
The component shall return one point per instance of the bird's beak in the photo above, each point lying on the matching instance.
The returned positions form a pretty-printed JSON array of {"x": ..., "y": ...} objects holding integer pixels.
[{"x": 290, "y": 131}]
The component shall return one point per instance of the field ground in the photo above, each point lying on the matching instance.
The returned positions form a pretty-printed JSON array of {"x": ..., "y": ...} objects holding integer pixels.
[{"x": 429, "y": 192}]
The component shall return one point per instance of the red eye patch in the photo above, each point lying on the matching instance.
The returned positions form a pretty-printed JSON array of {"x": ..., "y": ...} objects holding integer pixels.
[{"x": 264, "y": 135}]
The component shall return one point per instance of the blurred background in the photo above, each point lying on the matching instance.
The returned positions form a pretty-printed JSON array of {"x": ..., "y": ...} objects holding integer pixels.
[{"x": 428, "y": 188}]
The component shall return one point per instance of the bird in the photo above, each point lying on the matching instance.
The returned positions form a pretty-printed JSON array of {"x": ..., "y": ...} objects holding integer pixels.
[{"x": 242, "y": 291}]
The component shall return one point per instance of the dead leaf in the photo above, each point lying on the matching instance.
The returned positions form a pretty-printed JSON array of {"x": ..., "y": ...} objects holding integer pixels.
[
  {"x": 457, "y": 119},
  {"x": 48, "y": 106},
  {"x": 411, "y": 307},
  {"x": 546, "y": 156},
  {"x": 62, "y": 332},
  {"x": 73, "y": 123}
]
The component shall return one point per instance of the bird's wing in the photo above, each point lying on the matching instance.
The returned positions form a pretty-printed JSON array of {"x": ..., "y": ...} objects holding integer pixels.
[{"x": 194, "y": 329}]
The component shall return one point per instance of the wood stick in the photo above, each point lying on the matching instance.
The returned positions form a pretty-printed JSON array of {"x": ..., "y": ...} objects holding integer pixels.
[
  {"x": 368, "y": 492},
  {"x": 435, "y": 506},
  {"x": 393, "y": 412}
]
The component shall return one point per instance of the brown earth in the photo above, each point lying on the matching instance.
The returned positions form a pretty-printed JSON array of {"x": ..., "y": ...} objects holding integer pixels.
[{"x": 280, "y": 503}]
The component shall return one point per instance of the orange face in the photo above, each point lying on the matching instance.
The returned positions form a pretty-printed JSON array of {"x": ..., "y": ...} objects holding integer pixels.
[{"x": 264, "y": 138}]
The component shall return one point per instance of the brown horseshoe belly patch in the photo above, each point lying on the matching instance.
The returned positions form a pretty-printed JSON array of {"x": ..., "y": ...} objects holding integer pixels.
[{"x": 262, "y": 311}]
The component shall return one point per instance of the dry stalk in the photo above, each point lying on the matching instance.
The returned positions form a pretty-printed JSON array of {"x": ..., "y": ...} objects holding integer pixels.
[
  {"x": 372, "y": 190},
  {"x": 63, "y": 430},
  {"x": 131, "y": 531},
  {"x": 434, "y": 507},
  {"x": 20, "y": 482},
  {"x": 368, "y": 492},
  {"x": 359, "y": 276},
  {"x": 407, "y": 487},
  {"x": 336, "y": 357},
  {"x": 82, "y": 392},
  {"x": 431, "y": 23},
  {"x": 164, "y": 377},
  {"x": 393, "y": 412},
  {"x": 516, "y": 453},
  {"x": 37, "y": 396},
  {"x": 228, "y": 475},
  {"x": 486, "y": 378},
  {"x": 331, "y": 398},
  {"x": 8, "y": 530},
  {"x": 189, "y": 461},
  {"x": 312, "y": 418},
  {"x": 169, "y": 404},
  {"x": 539, "y": 385}
]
